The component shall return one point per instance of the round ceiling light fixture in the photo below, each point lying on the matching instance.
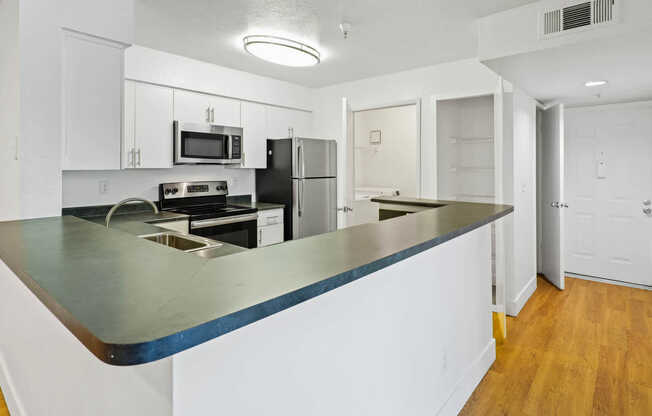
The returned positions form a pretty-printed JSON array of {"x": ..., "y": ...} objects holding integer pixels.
[{"x": 281, "y": 51}]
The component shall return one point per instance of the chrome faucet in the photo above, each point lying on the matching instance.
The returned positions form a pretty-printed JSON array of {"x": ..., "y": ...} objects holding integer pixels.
[{"x": 124, "y": 201}]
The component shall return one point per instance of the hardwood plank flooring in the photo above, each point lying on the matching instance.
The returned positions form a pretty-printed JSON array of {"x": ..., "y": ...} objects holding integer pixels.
[
  {"x": 584, "y": 351},
  {"x": 3, "y": 406}
]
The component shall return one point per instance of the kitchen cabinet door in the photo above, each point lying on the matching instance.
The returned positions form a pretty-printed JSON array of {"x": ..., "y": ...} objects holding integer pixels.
[
  {"x": 192, "y": 107},
  {"x": 92, "y": 93},
  {"x": 153, "y": 126},
  {"x": 225, "y": 112},
  {"x": 254, "y": 124},
  {"x": 272, "y": 234},
  {"x": 281, "y": 120}
]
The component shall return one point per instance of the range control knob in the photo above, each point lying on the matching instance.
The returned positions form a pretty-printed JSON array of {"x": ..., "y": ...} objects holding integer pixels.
[
  {"x": 167, "y": 192},
  {"x": 175, "y": 190}
]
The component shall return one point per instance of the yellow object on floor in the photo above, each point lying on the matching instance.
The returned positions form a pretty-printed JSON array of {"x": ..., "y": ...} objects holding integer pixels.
[
  {"x": 500, "y": 327},
  {"x": 3, "y": 406}
]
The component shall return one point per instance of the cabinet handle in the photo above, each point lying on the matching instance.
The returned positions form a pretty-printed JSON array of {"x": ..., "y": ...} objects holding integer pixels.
[
  {"x": 131, "y": 160},
  {"x": 139, "y": 156},
  {"x": 212, "y": 115},
  {"x": 260, "y": 237},
  {"x": 208, "y": 114}
]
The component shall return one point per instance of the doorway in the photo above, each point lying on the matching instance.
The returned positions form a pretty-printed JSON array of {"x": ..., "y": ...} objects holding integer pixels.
[
  {"x": 609, "y": 191},
  {"x": 382, "y": 157}
]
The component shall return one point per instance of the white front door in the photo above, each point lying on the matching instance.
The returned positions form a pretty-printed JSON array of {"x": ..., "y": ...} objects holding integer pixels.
[
  {"x": 552, "y": 195},
  {"x": 609, "y": 186}
]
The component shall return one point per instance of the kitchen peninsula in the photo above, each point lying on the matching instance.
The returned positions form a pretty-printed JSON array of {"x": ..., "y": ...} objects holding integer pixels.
[{"x": 386, "y": 316}]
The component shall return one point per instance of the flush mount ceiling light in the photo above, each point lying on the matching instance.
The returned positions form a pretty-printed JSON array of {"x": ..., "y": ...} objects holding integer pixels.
[
  {"x": 595, "y": 83},
  {"x": 281, "y": 51}
]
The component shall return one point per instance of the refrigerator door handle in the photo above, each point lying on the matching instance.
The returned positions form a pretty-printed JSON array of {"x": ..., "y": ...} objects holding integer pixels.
[
  {"x": 301, "y": 162},
  {"x": 301, "y": 184}
]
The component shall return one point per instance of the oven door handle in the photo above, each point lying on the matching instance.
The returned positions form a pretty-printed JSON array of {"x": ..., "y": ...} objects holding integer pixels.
[{"x": 223, "y": 221}]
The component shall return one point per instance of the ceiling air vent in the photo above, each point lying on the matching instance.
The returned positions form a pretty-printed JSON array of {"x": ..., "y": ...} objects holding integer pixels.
[
  {"x": 577, "y": 16},
  {"x": 562, "y": 16}
]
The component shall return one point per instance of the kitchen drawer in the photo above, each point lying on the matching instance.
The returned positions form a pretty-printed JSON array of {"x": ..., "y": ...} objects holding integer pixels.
[
  {"x": 270, "y": 217},
  {"x": 271, "y": 234}
]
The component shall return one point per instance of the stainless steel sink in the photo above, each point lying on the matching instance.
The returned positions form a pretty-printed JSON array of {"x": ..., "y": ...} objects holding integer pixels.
[{"x": 180, "y": 241}]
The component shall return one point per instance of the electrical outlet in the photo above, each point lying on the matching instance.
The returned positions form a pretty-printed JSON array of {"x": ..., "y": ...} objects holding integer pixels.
[{"x": 104, "y": 187}]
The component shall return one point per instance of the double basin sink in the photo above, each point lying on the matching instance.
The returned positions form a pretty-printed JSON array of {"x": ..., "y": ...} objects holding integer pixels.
[{"x": 180, "y": 241}]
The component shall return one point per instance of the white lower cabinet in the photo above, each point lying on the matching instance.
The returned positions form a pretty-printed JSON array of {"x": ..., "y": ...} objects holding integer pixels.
[
  {"x": 270, "y": 227},
  {"x": 147, "y": 136}
]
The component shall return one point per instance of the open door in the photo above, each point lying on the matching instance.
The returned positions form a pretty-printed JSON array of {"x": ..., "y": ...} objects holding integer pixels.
[
  {"x": 552, "y": 195},
  {"x": 347, "y": 196}
]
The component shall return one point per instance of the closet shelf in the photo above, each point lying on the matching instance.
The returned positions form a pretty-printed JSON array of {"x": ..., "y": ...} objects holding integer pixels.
[
  {"x": 471, "y": 168},
  {"x": 471, "y": 140}
]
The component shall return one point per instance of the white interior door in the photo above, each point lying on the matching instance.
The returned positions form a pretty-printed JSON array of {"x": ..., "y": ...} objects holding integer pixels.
[
  {"x": 552, "y": 195},
  {"x": 347, "y": 198},
  {"x": 609, "y": 189}
]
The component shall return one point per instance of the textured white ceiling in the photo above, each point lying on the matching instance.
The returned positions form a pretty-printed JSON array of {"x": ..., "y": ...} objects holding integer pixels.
[
  {"x": 559, "y": 74},
  {"x": 386, "y": 36}
]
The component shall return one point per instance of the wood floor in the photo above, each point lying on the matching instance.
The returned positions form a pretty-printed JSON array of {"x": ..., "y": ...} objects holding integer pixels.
[
  {"x": 3, "y": 406},
  {"x": 584, "y": 351}
]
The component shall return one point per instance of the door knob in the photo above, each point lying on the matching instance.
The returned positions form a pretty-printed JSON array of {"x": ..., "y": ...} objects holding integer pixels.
[
  {"x": 564, "y": 205},
  {"x": 647, "y": 211},
  {"x": 554, "y": 204},
  {"x": 647, "y": 202}
]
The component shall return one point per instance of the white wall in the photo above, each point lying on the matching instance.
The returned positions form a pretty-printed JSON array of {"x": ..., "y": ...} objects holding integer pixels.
[
  {"x": 522, "y": 284},
  {"x": 82, "y": 188},
  {"x": 515, "y": 30},
  {"x": 353, "y": 352},
  {"x": 148, "y": 65},
  {"x": 393, "y": 162},
  {"x": 467, "y": 77},
  {"x": 9, "y": 111},
  {"x": 40, "y": 40}
]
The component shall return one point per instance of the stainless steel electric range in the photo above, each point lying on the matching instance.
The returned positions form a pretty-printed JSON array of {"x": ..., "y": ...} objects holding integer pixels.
[{"x": 210, "y": 215}]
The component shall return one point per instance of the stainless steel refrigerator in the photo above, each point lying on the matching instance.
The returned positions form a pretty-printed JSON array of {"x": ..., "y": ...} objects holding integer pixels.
[{"x": 301, "y": 174}]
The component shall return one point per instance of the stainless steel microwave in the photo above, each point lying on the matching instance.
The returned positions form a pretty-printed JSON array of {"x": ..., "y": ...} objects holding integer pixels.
[{"x": 206, "y": 144}]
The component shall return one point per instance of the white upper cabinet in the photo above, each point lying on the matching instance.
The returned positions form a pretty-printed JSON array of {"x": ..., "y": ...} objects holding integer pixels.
[
  {"x": 191, "y": 107},
  {"x": 254, "y": 124},
  {"x": 225, "y": 112},
  {"x": 148, "y": 136},
  {"x": 92, "y": 92},
  {"x": 284, "y": 122}
]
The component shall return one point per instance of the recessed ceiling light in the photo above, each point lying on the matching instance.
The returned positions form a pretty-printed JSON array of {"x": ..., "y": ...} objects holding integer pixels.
[
  {"x": 281, "y": 51},
  {"x": 595, "y": 83}
]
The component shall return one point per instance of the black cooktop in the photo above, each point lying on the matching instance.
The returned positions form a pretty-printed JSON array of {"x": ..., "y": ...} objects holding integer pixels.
[{"x": 204, "y": 212}]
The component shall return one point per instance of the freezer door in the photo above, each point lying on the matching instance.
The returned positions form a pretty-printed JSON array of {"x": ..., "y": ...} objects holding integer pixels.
[
  {"x": 314, "y": 210},
  {"x": 314, "y": 158}
]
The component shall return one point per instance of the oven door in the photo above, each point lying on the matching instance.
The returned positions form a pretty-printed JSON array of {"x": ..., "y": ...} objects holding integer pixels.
[{"x": 239, "y": 230}]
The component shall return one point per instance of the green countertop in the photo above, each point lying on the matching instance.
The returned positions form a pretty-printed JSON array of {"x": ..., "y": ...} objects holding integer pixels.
[{"x": 131, "y": 301}]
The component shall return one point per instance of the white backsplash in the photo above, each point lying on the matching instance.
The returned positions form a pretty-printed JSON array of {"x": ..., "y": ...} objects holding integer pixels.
[{"x": 83, "y": 188}]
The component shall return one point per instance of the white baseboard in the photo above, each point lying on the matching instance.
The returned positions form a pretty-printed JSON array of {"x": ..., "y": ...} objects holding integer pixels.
[
  {"x": 469, "y": 381},
  {"x": 8, "y": 391},
  {"x": 514, "y": 306},
  {"x": 608, "y": 281}
]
